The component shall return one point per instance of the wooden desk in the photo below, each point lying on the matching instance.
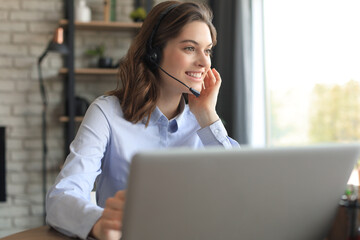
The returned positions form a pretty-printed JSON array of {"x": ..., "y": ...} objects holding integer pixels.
[
  {"x": 339, "y": 231},
  {"x": 40, "y": 233}
]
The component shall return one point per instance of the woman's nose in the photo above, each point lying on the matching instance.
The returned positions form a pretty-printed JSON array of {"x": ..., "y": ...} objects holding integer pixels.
[{"x": 203, "y": 60}]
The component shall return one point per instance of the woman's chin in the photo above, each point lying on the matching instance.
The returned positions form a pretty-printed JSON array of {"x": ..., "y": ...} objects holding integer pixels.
[{"x": 198, "y": 87}]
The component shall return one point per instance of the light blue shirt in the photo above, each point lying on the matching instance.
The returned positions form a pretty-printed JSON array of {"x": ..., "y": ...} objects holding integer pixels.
[{"x": 101, "y": 153}]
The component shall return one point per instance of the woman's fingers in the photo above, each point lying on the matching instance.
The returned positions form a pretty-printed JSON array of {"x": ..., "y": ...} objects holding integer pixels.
[
  {"x": 114, "y": 203},
  {"x": 217, "y": 76},
  {"x": 207, "y": 79},
  {"x": 212, "y": 78},
  {"x": 112, "y": 214},
  {"x": 111, "y": 225},
  {"x": 120, "y": 195},
  {"x": 117, "y": 202},
  {"x": 114, "y": 209}
]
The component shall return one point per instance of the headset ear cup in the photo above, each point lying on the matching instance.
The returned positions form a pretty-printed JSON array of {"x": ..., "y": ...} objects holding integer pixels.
[
  {"x": 153, "y": 58},
  {"x": 149, "y": 60},
  {"x": 158, "y": 56}
]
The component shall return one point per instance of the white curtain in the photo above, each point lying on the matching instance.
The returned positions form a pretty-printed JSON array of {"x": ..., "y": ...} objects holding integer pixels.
[
  {"x": 241, "y": 101},
  {"x": 258, "y": 102}
]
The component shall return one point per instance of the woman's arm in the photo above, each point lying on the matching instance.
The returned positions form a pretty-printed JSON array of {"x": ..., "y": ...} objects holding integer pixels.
[
  {"x": 68, "y": 205},
  {"x": 212, "y": 132}
]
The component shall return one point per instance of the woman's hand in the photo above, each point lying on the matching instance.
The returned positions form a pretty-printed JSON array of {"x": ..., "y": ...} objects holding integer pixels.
[
  {"x": 108, "y": 227},
  {"x": 203, "y": 107}
]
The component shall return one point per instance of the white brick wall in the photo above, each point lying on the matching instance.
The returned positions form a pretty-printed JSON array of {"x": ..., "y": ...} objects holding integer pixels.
[{"x": 26, "y": 26}]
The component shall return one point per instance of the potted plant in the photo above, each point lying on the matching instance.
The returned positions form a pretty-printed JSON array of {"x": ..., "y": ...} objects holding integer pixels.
[
  {"x": 138, "y": 15},
  {"x": 99, "y": 51}
]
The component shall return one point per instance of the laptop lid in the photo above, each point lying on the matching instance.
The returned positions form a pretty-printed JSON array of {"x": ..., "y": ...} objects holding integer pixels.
[{"x": 273, "y": 193}]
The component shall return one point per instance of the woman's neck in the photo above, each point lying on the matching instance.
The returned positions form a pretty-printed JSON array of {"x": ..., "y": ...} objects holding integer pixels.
[{"x": 169, "y": 105}]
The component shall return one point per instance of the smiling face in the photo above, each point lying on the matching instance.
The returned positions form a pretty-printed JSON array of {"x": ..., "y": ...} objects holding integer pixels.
[{"x": 187, "y": 57}]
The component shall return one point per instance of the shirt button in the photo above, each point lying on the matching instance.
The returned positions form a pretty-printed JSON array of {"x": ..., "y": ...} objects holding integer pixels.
[{"x": 216, "y": 131}]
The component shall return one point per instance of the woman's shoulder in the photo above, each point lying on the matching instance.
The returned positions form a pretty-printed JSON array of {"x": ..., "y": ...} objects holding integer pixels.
[
  {"x": 106, "y": 100},
  {"x": 108, "y": 104}
]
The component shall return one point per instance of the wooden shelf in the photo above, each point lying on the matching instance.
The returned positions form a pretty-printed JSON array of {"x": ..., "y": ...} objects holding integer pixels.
[
  {"x": 96, "y": 71},
  {"x": 66, "y": 118},
  {"x": 101, "y": 25}
]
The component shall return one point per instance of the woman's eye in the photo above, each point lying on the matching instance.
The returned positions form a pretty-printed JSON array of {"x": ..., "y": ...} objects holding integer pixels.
[
  {"x": 191, "y": 49},
  {"x": 209, "y": 52}
]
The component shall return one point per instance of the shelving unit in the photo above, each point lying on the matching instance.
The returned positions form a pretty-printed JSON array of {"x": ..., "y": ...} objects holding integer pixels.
[
  {"x": 101, "y": 25},
  {"x": 69, "y": 70},
  {"x": 92, "y": 71},
  {"x": 65, "y": 119}
]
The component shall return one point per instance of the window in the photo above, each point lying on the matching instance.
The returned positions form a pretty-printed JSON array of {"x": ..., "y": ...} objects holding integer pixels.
[{"x": 312, "y": 71}]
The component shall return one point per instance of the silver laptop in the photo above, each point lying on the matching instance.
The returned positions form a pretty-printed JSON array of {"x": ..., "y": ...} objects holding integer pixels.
[{"x": 273, "y": 193}]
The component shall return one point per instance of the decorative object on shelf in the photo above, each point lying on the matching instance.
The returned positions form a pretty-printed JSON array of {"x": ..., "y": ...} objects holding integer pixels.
[
  {"x": 83, "y": 12},
  {"x": 55, "y": 45},
  {"x": 113, "y": 10},
  {"x": 103, "y": 62},
  {"x": 106, "y": 10},
  {"x": 138, "y": 15}
]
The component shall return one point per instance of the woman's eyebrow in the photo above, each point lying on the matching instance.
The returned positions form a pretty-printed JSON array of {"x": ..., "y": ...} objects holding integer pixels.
[{"x": 193, "y": 41}]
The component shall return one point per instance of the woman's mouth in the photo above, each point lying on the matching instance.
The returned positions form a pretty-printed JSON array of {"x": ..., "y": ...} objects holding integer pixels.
[{"x": 195, "y": 75}]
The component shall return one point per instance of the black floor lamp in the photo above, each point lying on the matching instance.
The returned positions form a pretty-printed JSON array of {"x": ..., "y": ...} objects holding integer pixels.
[{"x": 55, "y": 45}]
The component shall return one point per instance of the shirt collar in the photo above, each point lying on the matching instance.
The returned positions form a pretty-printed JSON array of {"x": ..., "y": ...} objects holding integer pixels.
[
  {"x": 181, "y": 114},
  {"x": 157, "y": 116}
]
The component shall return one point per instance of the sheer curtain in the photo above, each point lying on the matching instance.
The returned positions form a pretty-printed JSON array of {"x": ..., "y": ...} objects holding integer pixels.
[
  {"x": 234, "y": 59},
  {"x": 259, "y": 111}
]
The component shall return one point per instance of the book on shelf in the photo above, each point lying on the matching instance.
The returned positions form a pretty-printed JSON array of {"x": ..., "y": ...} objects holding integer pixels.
[
  {"x": 113, "y": 10},
  {"x": 109, "y": 10}
]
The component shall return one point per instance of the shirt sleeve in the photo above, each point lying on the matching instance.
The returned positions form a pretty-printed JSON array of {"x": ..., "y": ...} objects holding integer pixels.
[
  {"x": 216, "y": 135},
  {"x": 68, "y": 205}
]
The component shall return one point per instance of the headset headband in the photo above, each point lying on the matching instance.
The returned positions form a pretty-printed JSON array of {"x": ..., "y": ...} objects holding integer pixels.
[{"x": 161, "y": 17}]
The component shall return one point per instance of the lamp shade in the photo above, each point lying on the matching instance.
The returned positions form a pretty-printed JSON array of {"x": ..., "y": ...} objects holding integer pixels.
[
  {"x": 56, "y": 44},
  {"x": 56, "y": 47}
]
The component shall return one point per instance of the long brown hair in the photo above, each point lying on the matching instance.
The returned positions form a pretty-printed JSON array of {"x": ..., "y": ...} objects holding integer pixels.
[{"x": 139, "y": 89}]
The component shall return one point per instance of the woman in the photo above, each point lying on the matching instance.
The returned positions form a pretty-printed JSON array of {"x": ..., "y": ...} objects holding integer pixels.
[{"x": 169, "y": 57}]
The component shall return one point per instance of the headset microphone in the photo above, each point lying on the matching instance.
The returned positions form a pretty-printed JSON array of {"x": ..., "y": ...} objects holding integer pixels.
[{"x": 153, "y": 54}]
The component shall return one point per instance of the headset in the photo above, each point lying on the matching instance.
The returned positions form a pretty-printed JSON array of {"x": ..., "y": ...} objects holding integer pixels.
[{"x": 153, "y": 55}]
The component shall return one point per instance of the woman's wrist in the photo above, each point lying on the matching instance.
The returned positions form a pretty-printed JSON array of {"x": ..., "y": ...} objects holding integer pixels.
[
  {"x": 206, "y": 119},
  {"x": 94, "y": 230}
]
